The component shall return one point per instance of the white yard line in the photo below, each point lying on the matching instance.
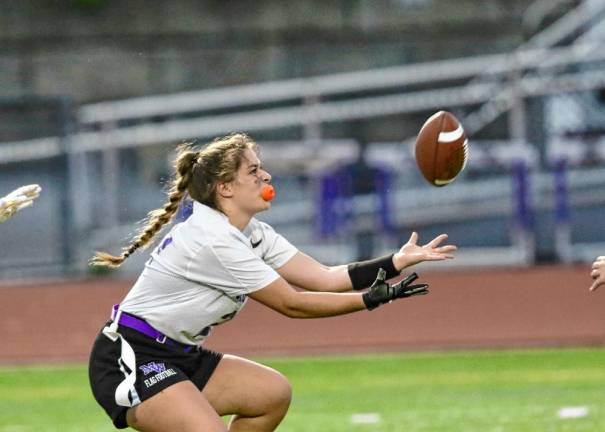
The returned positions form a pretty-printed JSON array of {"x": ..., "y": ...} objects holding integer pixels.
[
  {"x": 573, "y": 412},
  {"x": 365, "y": 418}
]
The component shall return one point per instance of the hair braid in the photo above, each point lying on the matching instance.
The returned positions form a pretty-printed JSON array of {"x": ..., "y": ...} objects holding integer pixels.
[
  {"x": 156, "y": 219},
  {"x": 197, "y": 174}
]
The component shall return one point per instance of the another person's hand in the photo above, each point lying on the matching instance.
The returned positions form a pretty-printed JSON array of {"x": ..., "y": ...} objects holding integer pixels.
[
  {"x": 598, "y": 273},
  {"x": 381, "y": 292},
  {"x": 412, "y": 253},
  {"x": 18, "y": 200}
]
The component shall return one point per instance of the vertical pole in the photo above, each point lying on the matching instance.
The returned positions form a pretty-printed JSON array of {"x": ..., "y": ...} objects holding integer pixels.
[
  {"x": 81, "y": 212},
  {"x": 312, "y": 125},
  {"x": 562, "y": 213},
  {"x": 325, "y": 212},
  {"x": 383, "y": 182},
  {"x": 110, "y": 175},
  {"x": 523, "y": 234},
  {"x": 67, "y": 205},
  {"x": 517, "y": 121},
  {"x": 80, "y": 189}
]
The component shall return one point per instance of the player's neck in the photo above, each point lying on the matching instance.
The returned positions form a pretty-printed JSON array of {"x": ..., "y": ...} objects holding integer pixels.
[{"x": 237, "y": 218}]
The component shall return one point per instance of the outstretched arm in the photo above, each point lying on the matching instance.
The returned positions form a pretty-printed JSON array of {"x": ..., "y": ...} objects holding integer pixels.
[
  {"x": 281, "y": 297},
  {"x": 18, "y": 200},
  {"x": 598, "y": 273},
  {"x": 306, "y": 273}
]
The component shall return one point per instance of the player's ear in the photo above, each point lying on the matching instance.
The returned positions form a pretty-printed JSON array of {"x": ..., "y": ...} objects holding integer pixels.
[{"x": 225, "y": 189}]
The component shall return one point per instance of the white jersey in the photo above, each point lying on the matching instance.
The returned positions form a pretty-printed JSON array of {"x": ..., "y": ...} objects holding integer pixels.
[{"x": 202, "y": 271}]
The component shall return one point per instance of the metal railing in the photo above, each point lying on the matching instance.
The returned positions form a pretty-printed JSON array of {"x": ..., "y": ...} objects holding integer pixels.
[
  {"x": 500, "y": 99},
  {"x": 495, "y": 83}
]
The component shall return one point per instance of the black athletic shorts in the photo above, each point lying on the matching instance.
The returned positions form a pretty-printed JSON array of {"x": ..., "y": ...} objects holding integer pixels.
[{"x": 158, "y": 366}]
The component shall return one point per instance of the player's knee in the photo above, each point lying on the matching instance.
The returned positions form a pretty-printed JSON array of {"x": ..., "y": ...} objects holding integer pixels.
[{"x": 281, "y": 393}]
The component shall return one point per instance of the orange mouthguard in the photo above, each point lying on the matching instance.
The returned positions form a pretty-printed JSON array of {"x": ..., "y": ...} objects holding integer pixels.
[{"x": 267, "y": 192}]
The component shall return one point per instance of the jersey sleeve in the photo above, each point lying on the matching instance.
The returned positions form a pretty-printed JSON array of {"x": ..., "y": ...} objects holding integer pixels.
[
  {"x": 276, "y": 250},
  {"x": 231, "y": 267}
]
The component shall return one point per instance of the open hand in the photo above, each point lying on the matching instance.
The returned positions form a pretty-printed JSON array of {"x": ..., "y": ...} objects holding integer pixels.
[
  {"x": 17, "y": 200},
  {"x": 411, "y": 253},
  {"x": 598, "y": 273}
]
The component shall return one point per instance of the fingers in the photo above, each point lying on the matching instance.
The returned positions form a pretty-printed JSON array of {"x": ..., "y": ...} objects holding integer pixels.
[
  {"x": 30, "y": 191},
  {"x": 404, "y": 289},
  {"x": 382, "y": 274},
  {"x": 438, "y": 257},
  {"x": 413, "y": 238},
  {"x": 446, "y": 249},
  {"x": 599, "y": 279},
  {"x": 596, "y": 284},
  {"x": 15, "y": 204},
  {"x": 598, "y": 273},
  {"x": 437, "y": 241},
  {"x": 24, "y": 204},
  {"x": 33, "y": 190},
  {"x": 419, "y": 289},
  {"x": 20, "y": 196},
  {"x": 409, "y": 279},
  {"x": 18, "y": 199}
]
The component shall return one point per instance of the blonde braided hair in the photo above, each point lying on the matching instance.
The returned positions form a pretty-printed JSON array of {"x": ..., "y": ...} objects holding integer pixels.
[{"x": 197, "y": 173}]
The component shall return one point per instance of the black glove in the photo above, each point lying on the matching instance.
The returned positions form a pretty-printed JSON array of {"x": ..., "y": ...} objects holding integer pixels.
[{"x": 381, "y": 292}]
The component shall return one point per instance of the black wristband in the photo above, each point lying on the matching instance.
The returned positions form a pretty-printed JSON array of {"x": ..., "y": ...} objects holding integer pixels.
[{"x": 363, "y": 273}]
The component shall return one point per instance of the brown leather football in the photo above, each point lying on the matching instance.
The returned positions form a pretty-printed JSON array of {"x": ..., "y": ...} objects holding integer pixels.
[{"x": 441, "y": 148}]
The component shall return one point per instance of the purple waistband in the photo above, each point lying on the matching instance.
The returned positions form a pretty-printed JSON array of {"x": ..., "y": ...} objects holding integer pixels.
[{"x": 145, "y": 328}]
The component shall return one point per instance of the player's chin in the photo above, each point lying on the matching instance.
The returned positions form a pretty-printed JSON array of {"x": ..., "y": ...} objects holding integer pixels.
[{"x": 266, "y": 205}]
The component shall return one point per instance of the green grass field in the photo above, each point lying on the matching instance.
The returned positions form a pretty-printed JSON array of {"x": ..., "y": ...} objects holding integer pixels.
[{"x": 464, "y": 391}]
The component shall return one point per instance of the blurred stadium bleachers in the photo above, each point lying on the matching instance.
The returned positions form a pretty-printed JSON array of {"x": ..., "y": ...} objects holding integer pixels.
[{"x": 532, "y": 190}]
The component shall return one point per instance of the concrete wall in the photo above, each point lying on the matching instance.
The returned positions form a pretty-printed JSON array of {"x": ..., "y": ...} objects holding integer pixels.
[{"x": 97, "y": 50}]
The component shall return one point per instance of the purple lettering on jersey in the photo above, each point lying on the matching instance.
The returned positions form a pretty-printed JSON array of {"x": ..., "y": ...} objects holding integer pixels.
[
  {"x": 185, "y": 210},
  {"x": 165, "y": 243}
]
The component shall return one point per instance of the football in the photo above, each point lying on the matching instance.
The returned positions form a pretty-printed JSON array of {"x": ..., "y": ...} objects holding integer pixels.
[{"x": 441, "y": 148}]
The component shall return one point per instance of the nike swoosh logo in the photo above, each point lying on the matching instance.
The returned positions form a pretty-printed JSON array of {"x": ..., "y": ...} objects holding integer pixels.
[{"x": 254, "y": 245}]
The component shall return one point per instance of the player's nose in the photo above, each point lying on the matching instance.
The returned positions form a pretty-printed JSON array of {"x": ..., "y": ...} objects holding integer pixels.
[{"x": 265, "y": 176}]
